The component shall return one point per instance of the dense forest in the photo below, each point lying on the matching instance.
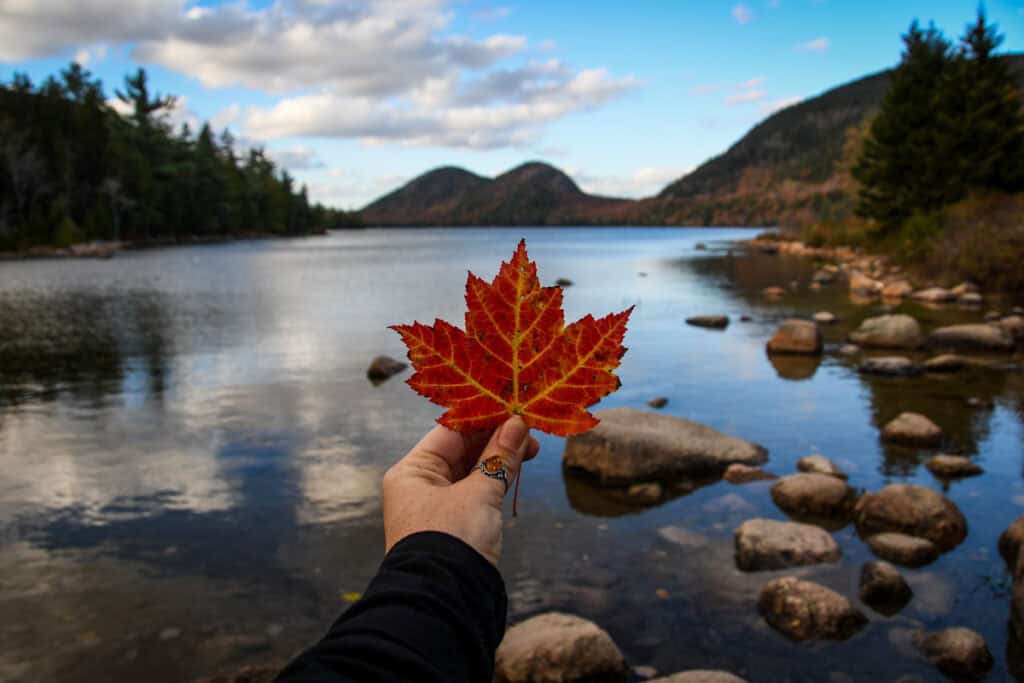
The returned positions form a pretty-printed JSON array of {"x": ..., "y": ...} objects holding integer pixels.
[{"x": 73, "y": 169}]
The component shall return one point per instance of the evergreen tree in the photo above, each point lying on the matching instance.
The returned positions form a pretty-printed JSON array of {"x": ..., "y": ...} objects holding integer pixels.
[
  {"x": 901, "y": 168},
  {"x": 982, "y": 124}
]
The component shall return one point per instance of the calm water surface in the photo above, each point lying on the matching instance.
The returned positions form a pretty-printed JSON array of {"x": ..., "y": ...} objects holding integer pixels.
[{"x": 191, "y": 453}]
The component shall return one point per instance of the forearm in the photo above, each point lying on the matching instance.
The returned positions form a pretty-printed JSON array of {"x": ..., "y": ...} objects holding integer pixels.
[{"x": 434, "y": 612}]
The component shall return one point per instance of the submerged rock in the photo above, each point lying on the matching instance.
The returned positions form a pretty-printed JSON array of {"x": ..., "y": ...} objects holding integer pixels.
[
  {"x": 647, "y": 493},
  {"x": 888, "y": 331},
  {"x": 797, "y": 337},
  {"x": 912, "y": 429},
  {"x": 659, "y": 402},
  {"x": 737, "y": 473},
  {"x": 890, "y": 366},
  {"x": 384, "y": 367},
  {"x": 558, "y": 647},
  {"x": 812, "y": 494},
  {"x": 1010, "y": 542},
  {"x": 958, "y": 652},
  {"x": 972, "y": 337},
  {"x": 913, "y": 510},
  {"x": 825, "y": 318},
  {"x": 803, "y": 610},
  {"x": 630, "y": 446},
  {"x": 701, "y": 676},
  {"x": 883, "y": 588},
  {"x": 953, "y": 466},
  {"x": 935, "y": 295},
  {"x": 717, "y": 322},
  {"x": 763, "y": 544},
  {"x": 904, "y": 550},
  {"x": 946, "y": 362},
  {"x": 819, "y": 464}
]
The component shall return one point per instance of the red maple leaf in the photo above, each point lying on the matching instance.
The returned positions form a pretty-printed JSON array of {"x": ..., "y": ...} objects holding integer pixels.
[{"x": 516, "y": 356}]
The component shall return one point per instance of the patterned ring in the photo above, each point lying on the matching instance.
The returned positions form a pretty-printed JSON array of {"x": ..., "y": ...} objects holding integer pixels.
[{"x": 495, "y": 468}]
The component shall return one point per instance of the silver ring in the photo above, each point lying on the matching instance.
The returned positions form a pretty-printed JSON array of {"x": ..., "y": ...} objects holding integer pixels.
[{"x": 494, "y": 467}]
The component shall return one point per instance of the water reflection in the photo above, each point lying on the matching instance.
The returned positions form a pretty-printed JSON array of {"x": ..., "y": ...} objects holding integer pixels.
[{"x": 188, "y": 440}]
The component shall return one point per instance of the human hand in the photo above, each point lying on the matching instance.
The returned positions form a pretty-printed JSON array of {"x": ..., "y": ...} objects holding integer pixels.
[{"x": 438, "y": 487}]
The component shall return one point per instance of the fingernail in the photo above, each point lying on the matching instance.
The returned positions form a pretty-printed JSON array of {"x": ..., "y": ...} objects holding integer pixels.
[{"x": 514, "y": 434}]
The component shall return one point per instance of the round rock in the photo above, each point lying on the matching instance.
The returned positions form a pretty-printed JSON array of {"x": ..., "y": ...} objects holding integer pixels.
[
  {"x": 797, "y": 337},
  {"x": 888, "y": 331},
  {"x": 558, "y": 647},
  {"x": 953, "y": 466},
  {"x": 883, "y": 588},
  {"x": 913, "y": 510},
  {"x": 630, "y": 446},
  {"x": 717, "y": 322},
  {"x": 383, "y": 367},
  {"x": 744, "y": 474},
  {"x": 972, "y": 337},
  {"x": 913, "y": 429},
  {"x": 813, "y": 494},
  {"x": 957, "y": 652},
  {"x": 659, "y": 402},
  {"x": 703, "y": 676},
  {"x": 946, "y": 362},
  {"x": 889, "y": 366},
  {"x": 763, "y": 544},
  {"x": 904, "y": 550},
  {"x": 819, "y": 464},
  {"x": 803, "y": 610}
]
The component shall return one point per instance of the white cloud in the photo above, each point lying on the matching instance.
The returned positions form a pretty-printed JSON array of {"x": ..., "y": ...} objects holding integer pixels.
[
  {"x": 746, "y": 96},
  {"x": 472, "y": 121},
  {"x": 742, "y": 13},
  {"x": 781, "y": 103},
  {"x": 377, "y": 70},
  {"x": 752, "y": 83},
  {"x": 817, "y": 45},
  {"x": 296, "y": 158},
  {"x": 492, "y": 13},
  {"x": 643, "y": 182}
]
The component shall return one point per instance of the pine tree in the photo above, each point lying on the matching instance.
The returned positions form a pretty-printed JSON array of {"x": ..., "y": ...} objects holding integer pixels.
[
  {"x": 901, "y": 167},
  {"x": 982, "y": 118}
]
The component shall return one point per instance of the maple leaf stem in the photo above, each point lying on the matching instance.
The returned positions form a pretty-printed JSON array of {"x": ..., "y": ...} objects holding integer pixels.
[{"x": 515, "y": 494}]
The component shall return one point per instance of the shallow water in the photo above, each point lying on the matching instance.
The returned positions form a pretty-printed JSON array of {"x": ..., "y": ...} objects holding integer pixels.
[{"x": 191, "y": 453}]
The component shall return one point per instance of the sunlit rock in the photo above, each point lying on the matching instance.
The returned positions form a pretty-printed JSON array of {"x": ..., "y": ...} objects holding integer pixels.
[
  {"x": 912, "y": 510},
  {"x": 763, "y": 544},
  {"x": 558, "y": 647},
  {"x": 803, "y": 610}
]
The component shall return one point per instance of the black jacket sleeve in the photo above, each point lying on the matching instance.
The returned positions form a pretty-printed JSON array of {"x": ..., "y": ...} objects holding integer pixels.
[{"x": 435, "y": 612}]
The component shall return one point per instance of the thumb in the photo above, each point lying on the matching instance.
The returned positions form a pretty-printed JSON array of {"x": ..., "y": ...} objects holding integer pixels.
[{"x": 505, "y": 451}]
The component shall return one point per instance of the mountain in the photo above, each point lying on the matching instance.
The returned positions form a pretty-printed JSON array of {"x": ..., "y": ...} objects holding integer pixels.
[
  {"x": 790, "y": 169},
  {"x": 531, "y": 194}
]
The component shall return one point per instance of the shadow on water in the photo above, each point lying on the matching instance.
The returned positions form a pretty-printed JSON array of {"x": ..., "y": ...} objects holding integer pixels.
[{"x": 588, "y": 498}]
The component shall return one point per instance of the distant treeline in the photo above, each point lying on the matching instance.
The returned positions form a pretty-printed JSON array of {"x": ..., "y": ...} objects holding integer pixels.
[{"x": 73, "y": 169}]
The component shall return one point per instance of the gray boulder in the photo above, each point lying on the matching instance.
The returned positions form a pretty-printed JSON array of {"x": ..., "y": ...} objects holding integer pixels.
[
  {"x": 888, "y": 331},
  {"x": 703, "y": 676},
  {"x": 812, "y": 494},
  {"x": 883, "y": 588},
  {"x": 946, "y": 362},
  {"x": 971, "y": 337},
  {"x": 913, "y": 429},
  {"x": 890, "y": 366},
  {"x": 630, "y": 446},
  {"x": 957, "y": 652},
  {"x": 384, "y": 367},
  {"x": 819, "y": 464},
  {"x": 912, "y": 510},
  {"x": 803, "y": 610},
  {"x": 794, "y": 336},
  {"x": 904, "y": 550},
  {"x": 953, "y": 466},
  {"x": 763, "y": 544},
  {"x": 718, "y": 322},
  {"x": 558, "y": 647}
]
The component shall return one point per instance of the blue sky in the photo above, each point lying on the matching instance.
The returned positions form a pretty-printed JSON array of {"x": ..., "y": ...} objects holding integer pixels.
[{"x": 357, "y": 96}]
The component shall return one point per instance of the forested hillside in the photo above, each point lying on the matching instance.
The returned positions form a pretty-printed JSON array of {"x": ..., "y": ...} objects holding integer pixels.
[{"x": 73, "y": 169}]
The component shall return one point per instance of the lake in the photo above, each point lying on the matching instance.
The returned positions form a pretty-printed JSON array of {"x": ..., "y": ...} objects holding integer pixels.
[{"x": 192, "y": 454}]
